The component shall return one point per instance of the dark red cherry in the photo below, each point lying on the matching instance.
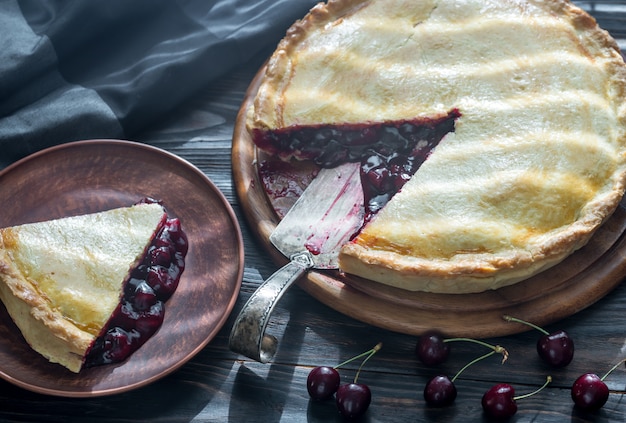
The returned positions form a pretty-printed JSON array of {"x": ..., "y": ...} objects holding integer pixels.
[
  {"x": 353, "y": 400},
  {"x": 440, "y": 391},
  {"x": 322, "y": 382},
  {"x": 150, "y": 320},
  {"x": 144, "y": 297},
  {"x": 499, "y": 401},
  {"x": 118, "y": 344},
  {"x": 160, "y": 256},
  {"x": 589, "y": 392},
  {"x": 145, "y": 322},
  {"x": 174, "y": 232},
  {"x": 431, "y": 348},
  {"x": 556, "y": 349},
  {"x": 163, "y": 280}
]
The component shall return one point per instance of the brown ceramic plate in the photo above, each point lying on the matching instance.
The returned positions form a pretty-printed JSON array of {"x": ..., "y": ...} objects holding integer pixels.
[
  {"x": 90, "y": 176},
  {"x": 576, "y": 283}
]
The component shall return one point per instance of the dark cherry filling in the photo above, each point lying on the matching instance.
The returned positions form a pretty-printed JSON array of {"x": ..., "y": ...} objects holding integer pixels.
[
  {"x": 141, "y": 309},
  {"x": 389, "y": 153}
]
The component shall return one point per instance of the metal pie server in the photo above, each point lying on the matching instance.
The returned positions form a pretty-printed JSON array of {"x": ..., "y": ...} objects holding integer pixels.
[{"x": 327, "y": 214}]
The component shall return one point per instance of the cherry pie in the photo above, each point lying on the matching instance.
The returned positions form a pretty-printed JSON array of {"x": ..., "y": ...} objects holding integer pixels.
[
  {"x": 491, "y": 133},
  {"x": 90, "y": 289}
]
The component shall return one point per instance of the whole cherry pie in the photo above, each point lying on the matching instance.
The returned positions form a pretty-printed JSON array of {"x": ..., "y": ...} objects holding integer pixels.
[
  {"x": 90, "y": 289},
  {"x": 491, "y": 133}
]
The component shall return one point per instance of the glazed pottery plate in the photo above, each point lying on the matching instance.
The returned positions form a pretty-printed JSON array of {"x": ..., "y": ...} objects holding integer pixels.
[{"x": 90, "y": 176}]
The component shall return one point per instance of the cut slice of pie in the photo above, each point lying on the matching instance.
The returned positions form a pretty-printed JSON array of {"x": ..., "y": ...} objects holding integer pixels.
[
  {"x": 88, "y": 290},
  {"x": 501, "y": 125}
]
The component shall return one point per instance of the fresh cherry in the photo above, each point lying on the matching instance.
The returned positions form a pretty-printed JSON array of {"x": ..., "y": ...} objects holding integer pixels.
[
  {"x": 556, "y": 348},
  {"x": 440, "y": 390},
  {"x": 432, "y": 349},
  {"x": 589, "y": 392},
  {"x": 500, "y": 401},
  {"x": 322, "y": 382},
  {"x": 353, "y": 400}
]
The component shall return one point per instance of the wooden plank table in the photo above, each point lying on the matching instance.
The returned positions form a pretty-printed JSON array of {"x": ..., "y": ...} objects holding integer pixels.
[{"x": 218, "y": 385}]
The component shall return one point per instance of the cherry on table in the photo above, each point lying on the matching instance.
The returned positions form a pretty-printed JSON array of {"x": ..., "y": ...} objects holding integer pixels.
[
  {"x": 440, "y": 390},
  {"x": 353, "y": 400},
  {"x": 431, "y": 348},
  {"x": 322, "y": 382},
  {"x": 500, "y": 402},
  {"x": 556, "y": 348},
  {"x": 589, "y": 392}
]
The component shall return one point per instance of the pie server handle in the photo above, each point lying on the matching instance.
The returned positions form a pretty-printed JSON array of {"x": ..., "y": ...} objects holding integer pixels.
[{"x": 247, "y": 336}]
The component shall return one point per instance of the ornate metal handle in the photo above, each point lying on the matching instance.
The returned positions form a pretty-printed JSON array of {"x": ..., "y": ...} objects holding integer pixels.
[{"x": 247, "y": 336}]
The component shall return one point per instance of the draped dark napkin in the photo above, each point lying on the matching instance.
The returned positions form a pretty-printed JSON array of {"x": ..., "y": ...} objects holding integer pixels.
[{"x": 72, "y": 70}]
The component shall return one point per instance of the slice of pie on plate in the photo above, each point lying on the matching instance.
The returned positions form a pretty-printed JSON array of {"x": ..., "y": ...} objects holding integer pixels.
[
  {"x": 88, "y": 290},
  {"x": 492, "y": 133}
]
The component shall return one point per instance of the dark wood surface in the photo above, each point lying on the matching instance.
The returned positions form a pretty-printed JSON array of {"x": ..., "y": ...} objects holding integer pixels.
[{"x": 220, "y": 386}]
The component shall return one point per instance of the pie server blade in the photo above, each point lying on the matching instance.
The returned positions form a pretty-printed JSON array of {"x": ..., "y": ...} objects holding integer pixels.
[{"x": 327, "y": 214}]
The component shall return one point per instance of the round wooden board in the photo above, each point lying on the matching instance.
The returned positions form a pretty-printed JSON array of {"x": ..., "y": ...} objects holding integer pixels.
[{"x": 576, "y": 283}]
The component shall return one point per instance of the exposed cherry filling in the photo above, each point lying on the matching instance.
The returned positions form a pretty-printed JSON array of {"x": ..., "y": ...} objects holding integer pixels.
[
  {"x": 390, "y": 152},
  {"x": 141, "y": 309}
]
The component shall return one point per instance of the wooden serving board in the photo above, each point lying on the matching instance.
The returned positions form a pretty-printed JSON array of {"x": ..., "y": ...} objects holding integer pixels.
[{"x": 576, "y": 283}]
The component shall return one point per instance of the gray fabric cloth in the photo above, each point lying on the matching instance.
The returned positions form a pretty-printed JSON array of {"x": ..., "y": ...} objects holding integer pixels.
[{"x": 108, "y": 69}]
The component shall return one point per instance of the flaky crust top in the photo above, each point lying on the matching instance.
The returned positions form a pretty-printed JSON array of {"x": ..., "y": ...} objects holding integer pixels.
[{"x": 537, "y": 161}]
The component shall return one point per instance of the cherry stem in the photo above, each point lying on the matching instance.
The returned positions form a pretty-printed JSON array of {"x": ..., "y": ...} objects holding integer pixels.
[
  {"x": 476, "y": 360},
  {"x": 513, "y": 319},
  {"x": 368, "y": 353},
  {"x": 612, "y": 368},
  {"x": 548, "y": 380},
  {"x": 495, "y": 348}
]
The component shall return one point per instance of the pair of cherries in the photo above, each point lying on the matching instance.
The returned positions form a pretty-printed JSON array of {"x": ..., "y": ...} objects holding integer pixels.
[{"x": 352, "y": 399}]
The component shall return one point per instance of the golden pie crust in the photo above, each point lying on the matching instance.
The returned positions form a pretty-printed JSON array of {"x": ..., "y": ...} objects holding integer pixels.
[
  {"x": 60, "y": 280},
  {"x": 537, "y": 161}
]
